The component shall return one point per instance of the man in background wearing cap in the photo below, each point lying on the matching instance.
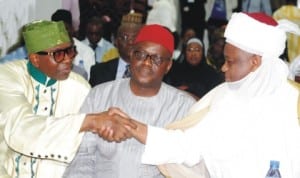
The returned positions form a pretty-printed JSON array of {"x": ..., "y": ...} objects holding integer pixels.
[
  {"x": 142, "y": 96},
  {"x": 40, "y": 127},
  {"x": 118, "y": 68},
  {"x": 247, "y": 121}
]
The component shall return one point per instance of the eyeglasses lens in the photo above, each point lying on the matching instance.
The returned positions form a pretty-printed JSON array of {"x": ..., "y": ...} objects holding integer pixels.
[
  {"x": 59, "y": 55},
  {"x": 155, "y": 59}
]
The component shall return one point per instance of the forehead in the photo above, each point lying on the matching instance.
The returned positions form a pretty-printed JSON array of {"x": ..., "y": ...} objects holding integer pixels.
[
  {"x": 93, "y": 26},
  {"x": 232, "y": 52},
  {"x": 193, "y": 44},
  {"x": 230, "y": 48},
  {"x": 60, "y": 46},
  {"x": 153, "y": 48},
  {"x": 190, "y": 32}
]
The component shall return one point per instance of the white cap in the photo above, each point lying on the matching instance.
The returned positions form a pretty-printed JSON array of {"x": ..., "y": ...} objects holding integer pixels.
[{"x": 254, "y": 36}]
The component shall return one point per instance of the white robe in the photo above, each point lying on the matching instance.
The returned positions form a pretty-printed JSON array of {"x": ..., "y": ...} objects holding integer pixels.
[
  {"x": 249, "y": 123},
  {"x": 34, "y": 142}
]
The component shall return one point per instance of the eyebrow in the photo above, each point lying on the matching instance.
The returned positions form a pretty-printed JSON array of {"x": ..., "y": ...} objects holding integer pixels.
[{"x": 59, "y": 49}]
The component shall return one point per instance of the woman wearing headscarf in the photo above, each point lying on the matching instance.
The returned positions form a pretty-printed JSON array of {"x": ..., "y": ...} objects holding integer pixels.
[{"x": 193, "y": 75}]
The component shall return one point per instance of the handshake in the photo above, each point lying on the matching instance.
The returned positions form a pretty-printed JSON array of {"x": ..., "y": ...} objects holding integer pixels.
[{"x": 115, "y": 126}]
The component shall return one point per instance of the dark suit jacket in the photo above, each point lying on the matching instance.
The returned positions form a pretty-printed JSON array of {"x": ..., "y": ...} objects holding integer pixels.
[{"x": 104, "y": 72}]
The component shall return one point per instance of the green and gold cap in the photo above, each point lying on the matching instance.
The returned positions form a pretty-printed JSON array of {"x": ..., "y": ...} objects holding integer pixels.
[{"x": 41, "y": 35}]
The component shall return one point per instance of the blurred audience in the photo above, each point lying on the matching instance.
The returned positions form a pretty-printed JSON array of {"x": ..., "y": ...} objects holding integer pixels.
[
  {"x": 94, "y": 38},
  {"x": 257, "y": 6},
  {"x": 85, "y": 57},
  {"x": 291, "y": 12},
  {"x": 215, "y": 56},
  {"x": 118, "y": 67},
  {"x": 193, "y": 75}
]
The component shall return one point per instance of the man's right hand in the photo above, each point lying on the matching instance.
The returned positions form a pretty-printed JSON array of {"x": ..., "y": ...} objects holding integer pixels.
[{"x": 109, "y": 125}]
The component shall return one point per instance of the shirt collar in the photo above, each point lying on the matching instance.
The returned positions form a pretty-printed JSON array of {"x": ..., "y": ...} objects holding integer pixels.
[{"x": 39, "y": 75}]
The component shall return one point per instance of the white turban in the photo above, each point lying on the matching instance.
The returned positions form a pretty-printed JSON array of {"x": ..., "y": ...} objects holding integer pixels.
[
  {"x": 254, "y": 35},
  {"x": 260, "y": 34}
]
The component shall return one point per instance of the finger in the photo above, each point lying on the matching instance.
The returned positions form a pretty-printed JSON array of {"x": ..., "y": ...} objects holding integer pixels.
[
  {"x": 135, "y": 132},
  {"x": 122, "y": 133},
  {"x": 128, "y": 134},
  {"x": 127, "y": 122},
  {"x": 111, "y": 133},
  {"x": 111, "y": 111},
  {"x": 120, "y": 138},
  {"x": 106, "y": 135},
  {"x": 134, "y": 124},
  {"x": 132, "y": 132},
  {"x": 115, "y": 110}
]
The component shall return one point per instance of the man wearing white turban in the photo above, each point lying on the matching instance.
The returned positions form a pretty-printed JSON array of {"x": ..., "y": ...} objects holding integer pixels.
[{"x": 247, "y": 121}]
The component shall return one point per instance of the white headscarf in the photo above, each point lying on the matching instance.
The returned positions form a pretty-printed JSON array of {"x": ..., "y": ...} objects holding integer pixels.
[{"x": 194, "y": 40}]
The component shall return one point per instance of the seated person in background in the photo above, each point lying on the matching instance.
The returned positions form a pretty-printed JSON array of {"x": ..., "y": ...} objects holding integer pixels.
[
  {"x": 294, "y": 69},
  {"x": 193, "y": 75},
  {"x": 94, "y": 38},
  {"x": 85, "y": 57},
  {"x": 142, "y": 96},
  {"x": 18, "y": 52},
  {"x": 119, "y": 67},
  {"x": 290, "y": 11},
  {"x": 186, "y": 34},
  {"x": 215, "y": 56}
]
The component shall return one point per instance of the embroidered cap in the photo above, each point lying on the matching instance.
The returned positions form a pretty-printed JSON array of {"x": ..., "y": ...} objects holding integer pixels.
[
  {"x": 42, "y": 35},
  {"x": 132, "y": 17}
]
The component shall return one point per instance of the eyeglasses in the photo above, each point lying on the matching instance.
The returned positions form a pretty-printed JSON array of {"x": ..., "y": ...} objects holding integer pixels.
[
  {"x": 155, "y": 59},
  {"x": 59, "y": 55}
]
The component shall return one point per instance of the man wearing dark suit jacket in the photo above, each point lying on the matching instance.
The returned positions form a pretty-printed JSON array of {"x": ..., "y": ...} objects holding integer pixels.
[{"x": 115, "y": 68}]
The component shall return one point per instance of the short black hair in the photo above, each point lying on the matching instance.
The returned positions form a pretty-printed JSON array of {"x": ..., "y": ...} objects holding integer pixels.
[{"x": 62, "y": 15}]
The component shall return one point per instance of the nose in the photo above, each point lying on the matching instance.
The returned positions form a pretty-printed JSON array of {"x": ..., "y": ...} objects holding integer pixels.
[
  {"x": 224, "y": 67},
  {"x": 148, "y": 60},
  {"x": 130, "y": 41},
  {"x": 194, "y": 53},
  {"x": 68, "y": 59}
]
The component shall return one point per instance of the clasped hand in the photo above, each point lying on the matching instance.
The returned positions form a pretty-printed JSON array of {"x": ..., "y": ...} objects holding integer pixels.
[{"x": 114, "y": 125}]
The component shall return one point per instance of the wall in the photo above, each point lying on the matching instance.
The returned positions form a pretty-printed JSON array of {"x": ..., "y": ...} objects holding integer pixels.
[
  {"x": 15, "y": 14},
  {"x": 45, "y": 8}
]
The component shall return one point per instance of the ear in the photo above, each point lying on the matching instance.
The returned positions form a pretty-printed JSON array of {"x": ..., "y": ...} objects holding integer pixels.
[
  {"x": 256, "y": 62},
  {"x": 131, "y": 50},
  {"x": 115, "y": 41},
  {"x": 169, "y": 66},
  {"x": 33, "y": 58}
]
